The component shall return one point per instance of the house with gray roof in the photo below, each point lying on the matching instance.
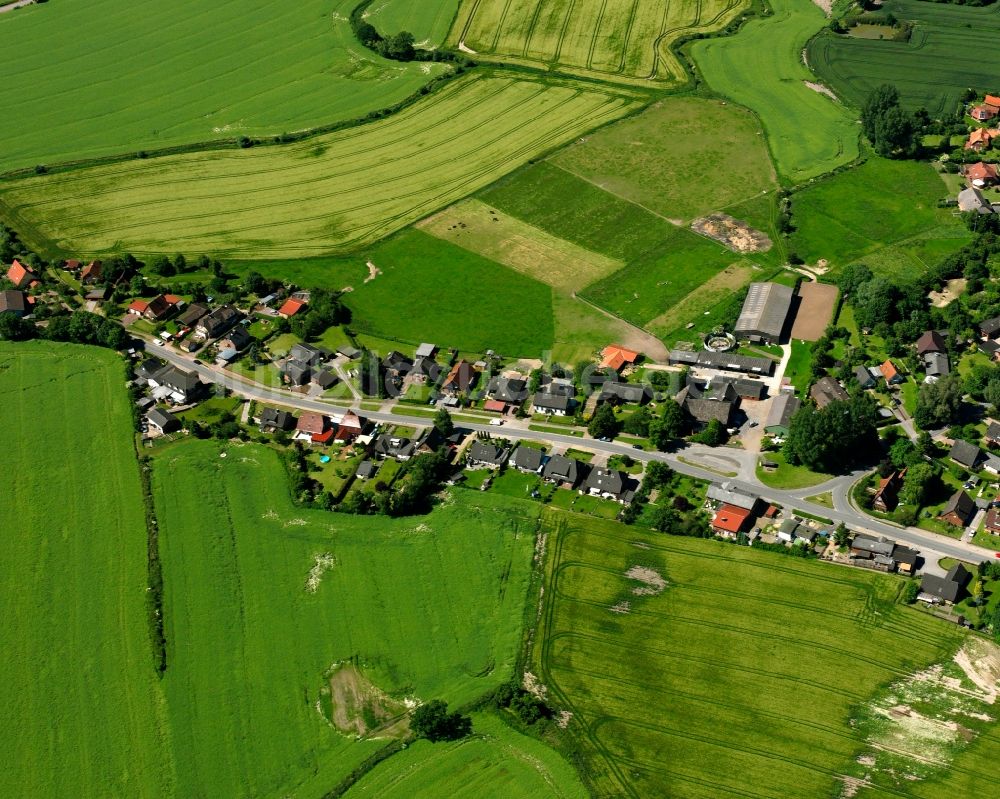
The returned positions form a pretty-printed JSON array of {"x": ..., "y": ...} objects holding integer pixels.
[
  {"x": 398, "y": 448},
  {"x": 179, "y": 385},
  {"x": 296, "y": 373},
  {"x": 935, "y": 366},
  {"x": 272, "y": 419},
  {"x": 553, "y": 404},
  {"x": 608, "y": 484},
  {"x": 725, "y": 361},
  {"x": 162, "y": 421},
  {"x": 949, "y": 588},
  {"x": 13, "y": 301},
  {"x": 728, "y": 493},
  {"x": 965, "y": 454},
  {"x": 486, "y": 454},
  {"x": 562, "y": 470},
  {"x": 864, "y": 377},
  {"x": 507, "y": 389},
  {"x": 527, "y": 459},
  {"x": 827, "y": 390}
]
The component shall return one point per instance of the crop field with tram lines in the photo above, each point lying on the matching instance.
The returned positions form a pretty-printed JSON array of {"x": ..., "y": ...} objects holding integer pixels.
[
  {"x": 716, "y": 671},
  {"x": 335, "y": 192},
  {"x": 943, "y": 58},
  {"x": 625, "y": 41}
]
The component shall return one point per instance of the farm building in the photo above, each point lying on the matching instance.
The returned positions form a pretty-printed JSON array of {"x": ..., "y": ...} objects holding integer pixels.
[
  {"x": 945, "y": 589},
  {"x": 765, "y": 311},
  {"x": 725, "y": 361},
  {"x": 779, "y": 417},
  {"x": 616, "y": 357}
]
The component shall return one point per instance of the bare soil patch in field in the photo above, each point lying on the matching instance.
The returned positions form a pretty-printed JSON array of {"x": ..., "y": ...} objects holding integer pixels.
[
  {"x": 359, "y": 707},
  {"x": 735, "y": 234},
  {"x": 817, "y": 302},
  {"x": 953, "y": 290}
]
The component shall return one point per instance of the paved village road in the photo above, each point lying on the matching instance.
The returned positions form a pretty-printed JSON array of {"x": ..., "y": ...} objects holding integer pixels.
[{"x": 931, "y": 545}]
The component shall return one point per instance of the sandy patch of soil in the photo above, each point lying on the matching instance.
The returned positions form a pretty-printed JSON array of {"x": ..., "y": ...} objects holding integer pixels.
[
  {"x": 358, "y": 707},
  {"x": 825, "y": 5},
  {"x": 373, "y": 272},
  {"x": 738, "y": 236},
  {"x": 464, "y": 49},
  {"x": 819, "y": 87},
  {"x": 652, "y": 581},
  {"x": 622, "y": 607},
  {"x": 951, "y": 291}
]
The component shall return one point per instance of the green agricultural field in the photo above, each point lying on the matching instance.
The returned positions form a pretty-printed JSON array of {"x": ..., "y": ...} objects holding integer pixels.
[
  {"x": 430, "y": 290},
  {"x": 495, "y": 763},
  {"x": 86, "y": 78},
  {"x": 83, "y": 710},
  {"x": 883, "y": 212},
  {"x": 423, "y": 607},
  {"x": 428, "y": 20},
  {"x": 695, "y": 669},
  {"x": 333, "y": 192},
  {"x": 681, "y": 158},
  {"x": 761, "y": 67},
  {"x": 943, "y": 58},
  {"x": 613, "y": 40}
]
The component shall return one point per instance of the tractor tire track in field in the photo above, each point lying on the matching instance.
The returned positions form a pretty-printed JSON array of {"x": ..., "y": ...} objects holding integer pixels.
[
  {"x": 593, "y": 39},
  {"x": 557, "y": 54}
]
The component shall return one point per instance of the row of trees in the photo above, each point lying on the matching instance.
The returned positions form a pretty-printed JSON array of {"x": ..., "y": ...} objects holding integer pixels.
[{"x": 79, "y": 327}]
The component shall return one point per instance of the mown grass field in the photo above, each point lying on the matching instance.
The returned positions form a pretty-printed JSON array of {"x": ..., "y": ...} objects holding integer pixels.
[
  {"x": 430, "y": 290},
  {"x": 808, "y": 133},
  {"x": 943, "y": 58},
  {"x": 333, "y": 192},
  {"x": 738, "y": 679},
  {"x": 681, "y": 158},
  {"x": 495, "y": 763},
  {"x": 883, "y": 212},
  {"x": 428, "y": 20},
  {"x": 615, "y": 40},
  {"x": 85, "y": 78},
  {"x": 83, "y": 710},
  {"x": 426, "y": 607}
]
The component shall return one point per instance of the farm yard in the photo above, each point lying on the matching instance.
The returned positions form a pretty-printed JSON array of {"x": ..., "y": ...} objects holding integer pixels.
[
  {"x": 339, "y": 191},
  {"x": 696, "y": 669},
  {"x": 618, "y": 40},
  {"x": 943, "y": 57},
  {"x": 808, "y": 133},
  {"x": 75, "y": 654},
  {"x": 426, "y": 607},
  {"x": 864, "y": 213},
  {"x": 196, "y": 72}
]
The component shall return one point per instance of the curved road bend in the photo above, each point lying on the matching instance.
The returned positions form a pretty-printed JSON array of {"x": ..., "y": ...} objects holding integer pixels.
[{"x": 931, "y": 545}]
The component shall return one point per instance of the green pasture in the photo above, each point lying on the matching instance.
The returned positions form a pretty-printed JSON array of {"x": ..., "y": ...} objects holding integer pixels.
[
  {"x": 430, "y": 290},
  {"x": 744, "y": 669},
  {"x": 86, "y": 78},
  {"x": 83, "y": 710},
  {"x": 881, "y": 204},
  {"x": 681, "y": 158},
  {"x": 651, "y": 284},
  {"x": 495, "y": 763},
  {"x": 426, "y": 607},
  {"x": 428, "y": 20},
  {"x": 338, "y": 191},
  {"x": 627, "y": 41},
  {"x": 944, "y": 57},
  {"x": 761, "y": 67}
]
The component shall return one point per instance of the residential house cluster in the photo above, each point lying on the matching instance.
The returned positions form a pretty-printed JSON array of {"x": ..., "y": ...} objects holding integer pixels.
[
  {"x": 883, "y": 554},
  {"x": 305, "y": 365},
  {"x": 569, "y": 473},
  {"x": 718, "y": 398}
]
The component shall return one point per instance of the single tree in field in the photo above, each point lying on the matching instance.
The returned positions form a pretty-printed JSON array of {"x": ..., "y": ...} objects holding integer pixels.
[{"x": 433, "y": 722}]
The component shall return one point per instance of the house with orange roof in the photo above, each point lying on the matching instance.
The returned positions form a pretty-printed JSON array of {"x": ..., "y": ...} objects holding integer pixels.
[
  {"x": 988, "y": 109},
  {"x": 890, "y": 373},
  {"x": 981, "y": 139},
  {"x": 72, "y": 265},
  {"x": 91, "y": 273},
  {"x": 21, "y": 276},
  {"x": 980, "y": 174},
  {"x": 138, "y": 307},
  {"x": 616, "y": 357},
  {"x": 291, "y": 307},
  {"x": 729, "y": 521},
  {"x": 323, "y": 438}
]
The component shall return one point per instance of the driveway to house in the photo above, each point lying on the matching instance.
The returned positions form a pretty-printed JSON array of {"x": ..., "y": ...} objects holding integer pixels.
[{"x": 694, "y": 460}]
